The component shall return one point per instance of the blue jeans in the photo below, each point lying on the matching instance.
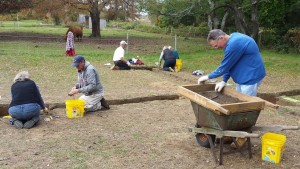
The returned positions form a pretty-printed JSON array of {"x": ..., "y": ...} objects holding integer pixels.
[
  {"x": 25, "y": 112},
  {"x": 169, "y": 63},
  {"x": 250, "y": 90}
]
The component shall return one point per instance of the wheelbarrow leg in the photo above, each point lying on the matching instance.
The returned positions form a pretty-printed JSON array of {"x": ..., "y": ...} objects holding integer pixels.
[
  {"x": 221, "y": 151},
  {"x": 212, "y": 147},
  {"x": 249, "y": 147}
]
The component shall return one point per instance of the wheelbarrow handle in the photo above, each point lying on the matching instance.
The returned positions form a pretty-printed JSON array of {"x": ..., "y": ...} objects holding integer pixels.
[
  {"x": 290, "y": 127},
  {"x": 274, "y": 128},
  {"x": 222, "y": 133},
  {"x": 269, "y": 104}
]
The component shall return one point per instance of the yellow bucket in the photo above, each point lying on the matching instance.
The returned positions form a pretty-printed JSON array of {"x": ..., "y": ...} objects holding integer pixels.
[
  {"x": 272, "y": 147},
  {"x": 178, "y": 64},
  {"x": 74, "y": 108}
]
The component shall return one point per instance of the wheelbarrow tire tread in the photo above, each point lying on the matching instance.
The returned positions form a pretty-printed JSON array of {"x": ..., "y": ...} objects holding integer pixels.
[{"x": 202, "y": 139}]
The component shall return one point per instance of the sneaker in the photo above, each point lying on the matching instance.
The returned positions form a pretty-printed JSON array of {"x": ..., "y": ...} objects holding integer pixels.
[
  {"x": 114, "y": 67},
  {"x": 18, "y": 124},
  {"x": 29, "y": 124},
  {"x": 240, "y": 142},
  {"x": 171, "y": 69},
  {"x": 104, "y": 104},
  {"x": 107, "y": 64},
  {"x": 176, "y": 69}
]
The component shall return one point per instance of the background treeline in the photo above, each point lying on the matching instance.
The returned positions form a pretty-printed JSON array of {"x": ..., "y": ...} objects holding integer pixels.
[{"x": 274, "y": 24}]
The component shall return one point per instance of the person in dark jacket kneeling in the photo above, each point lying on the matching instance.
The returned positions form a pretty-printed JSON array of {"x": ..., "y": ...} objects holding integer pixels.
[
  {"x": 169, "y": 58},
  {"x": 26, "y": 102}
]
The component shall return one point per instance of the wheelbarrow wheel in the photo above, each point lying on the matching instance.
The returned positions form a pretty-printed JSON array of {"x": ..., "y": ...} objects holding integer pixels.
[{"x": 202, "y": 139}]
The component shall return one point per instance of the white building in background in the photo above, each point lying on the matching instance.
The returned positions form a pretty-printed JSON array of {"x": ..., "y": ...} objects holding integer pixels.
[{"x": 87, "y": 21}]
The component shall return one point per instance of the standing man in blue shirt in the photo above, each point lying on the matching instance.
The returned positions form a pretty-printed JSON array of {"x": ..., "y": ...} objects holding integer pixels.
[{"x": 242, "y": 62}]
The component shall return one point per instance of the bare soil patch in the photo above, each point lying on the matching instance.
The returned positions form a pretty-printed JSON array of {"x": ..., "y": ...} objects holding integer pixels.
[
  {"x": 140, "y": 135},
  {"x": 151, "y": 134},
  {"x": 219, "y": 98}
]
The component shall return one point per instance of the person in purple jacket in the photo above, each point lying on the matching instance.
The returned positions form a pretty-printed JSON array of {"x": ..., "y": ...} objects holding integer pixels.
[{"x": 242, "y": 62}]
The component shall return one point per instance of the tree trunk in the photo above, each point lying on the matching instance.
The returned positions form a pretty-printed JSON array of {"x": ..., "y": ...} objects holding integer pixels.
[
  {"x": 240, "y": 21},
  {"x": 209, "y": 22},
  {"x": 254, "y": 20},
  {"x": 224, "y": 20},
  {"x": 213, "y": 20},
  {"x": 95, "y": 17}
]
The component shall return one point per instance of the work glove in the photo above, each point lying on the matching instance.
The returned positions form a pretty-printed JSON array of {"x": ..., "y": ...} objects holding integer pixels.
[
  {"x": 202, "y": 79},
  {"x": 219, "y": 86},
  {"x": 128, "y": 63}
]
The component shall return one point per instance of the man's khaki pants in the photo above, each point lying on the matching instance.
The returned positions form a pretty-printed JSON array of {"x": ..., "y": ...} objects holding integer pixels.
[{"x": 92, "y": 102}]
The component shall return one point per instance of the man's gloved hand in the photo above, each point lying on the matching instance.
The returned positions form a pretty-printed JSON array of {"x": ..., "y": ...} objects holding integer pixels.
[
  {"x": 202, "y": 79},
  {"x": 219, "y": 86},
  {"x": 128, "y": 63}
]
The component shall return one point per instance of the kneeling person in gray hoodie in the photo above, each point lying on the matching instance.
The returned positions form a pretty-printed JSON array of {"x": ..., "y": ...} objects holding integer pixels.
[{"x": 89, "y": 85}]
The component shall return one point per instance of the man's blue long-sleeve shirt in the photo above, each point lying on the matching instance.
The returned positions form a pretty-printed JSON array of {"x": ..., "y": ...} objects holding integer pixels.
[{"x": 242, "y": 61}]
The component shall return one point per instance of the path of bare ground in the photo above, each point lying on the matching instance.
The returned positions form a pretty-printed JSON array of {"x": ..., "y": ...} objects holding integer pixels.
[
  {"x": 136, "y": 44},
  {"x": 21, "y": 36}
]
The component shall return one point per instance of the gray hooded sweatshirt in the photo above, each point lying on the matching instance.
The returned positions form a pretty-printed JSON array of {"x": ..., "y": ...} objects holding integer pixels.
[{"x": 89, "y": 81}]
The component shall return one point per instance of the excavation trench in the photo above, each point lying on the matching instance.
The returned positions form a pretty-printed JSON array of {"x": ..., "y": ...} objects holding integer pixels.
[
  {"x": 51, "y": 106},
  {"x": 271, "y": 97}
]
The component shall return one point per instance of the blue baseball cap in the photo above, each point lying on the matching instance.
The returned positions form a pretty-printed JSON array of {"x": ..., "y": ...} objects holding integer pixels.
[{"x": 77, "y": 60}]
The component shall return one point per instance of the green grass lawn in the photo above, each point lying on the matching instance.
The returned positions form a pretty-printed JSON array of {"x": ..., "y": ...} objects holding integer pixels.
[{"x": 41, "y": 56}]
